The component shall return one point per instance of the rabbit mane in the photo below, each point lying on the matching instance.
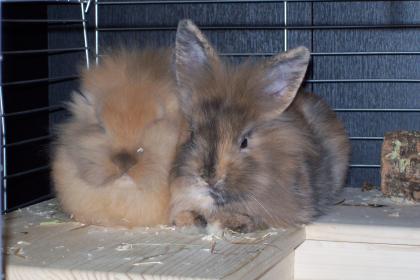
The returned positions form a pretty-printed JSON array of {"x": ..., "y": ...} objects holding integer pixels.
[
  {"x": 260, "y": 152},
  {"x": 112, "y": 157}
]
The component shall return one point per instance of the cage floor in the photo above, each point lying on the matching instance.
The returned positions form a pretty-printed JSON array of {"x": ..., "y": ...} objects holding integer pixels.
[{"x": 367, "y": 235}]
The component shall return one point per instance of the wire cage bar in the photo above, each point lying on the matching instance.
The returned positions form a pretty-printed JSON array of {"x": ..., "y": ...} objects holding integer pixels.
[{"x": 6, "y": 114}]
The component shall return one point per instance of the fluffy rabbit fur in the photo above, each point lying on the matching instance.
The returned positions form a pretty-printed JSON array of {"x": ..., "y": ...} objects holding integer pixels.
[
  {"x": 260, "y": 153},
  {"x": 113, "y": 157}
]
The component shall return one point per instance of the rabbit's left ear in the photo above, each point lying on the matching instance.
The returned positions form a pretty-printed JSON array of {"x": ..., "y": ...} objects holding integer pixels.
[
  {"x": 283, "y": 75},
  {"x": 194, "y": 59}
]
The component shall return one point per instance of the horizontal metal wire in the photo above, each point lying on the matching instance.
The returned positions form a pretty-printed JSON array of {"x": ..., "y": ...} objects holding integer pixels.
[
  {"x": 365, "y": 53},
  {"x": 34, "y": 201},
  {"x": 227, "y": 1},
  {"x": 46, "y": 1},
  {"x": 344, "y": 80},
  {"x": 52, "y": 21},
  {"x": 268, "y": 27},
  {"x": 365, "y": 166},
  {"x": 26, "y": 172},
  {"x": 399, "y": 110},
  {"x": 319, "y": 81},
  {"x": 36, "y": 139},
  {"x": 43, "y": 80},
  {"x": 326, "y": 53},
  {"x": 363, "y": 81},
  {"x": 368, "y": 138},
  {"x": 52, "y": 108},
  {"x": 362, "y": 53},
  {"x": 47, "y": 137},
  {"x": 46, "y": 167},
  {"x": 39, "y": 51},
  {"x": 27, "y": 141}
]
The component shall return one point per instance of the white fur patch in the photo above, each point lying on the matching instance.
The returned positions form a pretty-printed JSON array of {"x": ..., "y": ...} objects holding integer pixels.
[
  {"x": 193, "y": 196},
  {"x": 200, "y": 194},
  {"x": 124, "y": 181}
]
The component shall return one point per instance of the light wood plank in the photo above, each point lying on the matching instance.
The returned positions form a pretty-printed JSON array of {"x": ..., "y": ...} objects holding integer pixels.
[
  {"x": 282, "y": 271},
  {"x": 324, "y": 260},
  {"x": 42, "y": 243},
  {"x": 391, "y": 223}
]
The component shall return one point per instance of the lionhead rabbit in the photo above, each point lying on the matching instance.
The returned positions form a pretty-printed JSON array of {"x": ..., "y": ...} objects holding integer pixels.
[
  {"x": 112, "y": 158},
  {"x": 260, "y": 153}
]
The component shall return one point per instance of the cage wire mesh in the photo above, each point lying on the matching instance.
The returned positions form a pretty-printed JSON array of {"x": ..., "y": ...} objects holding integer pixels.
[
  {"x": 27, "y": 82},
  {"x": 365, "y": 58}
]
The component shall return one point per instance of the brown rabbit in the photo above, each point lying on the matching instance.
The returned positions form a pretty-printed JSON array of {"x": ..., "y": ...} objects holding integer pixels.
[
  {"x": 260, "y": 153},
  {"x": 113, "y": 157}
]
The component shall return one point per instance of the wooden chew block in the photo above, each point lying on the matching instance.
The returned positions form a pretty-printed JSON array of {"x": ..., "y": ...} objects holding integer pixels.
[{"x": 400, "y": 164}]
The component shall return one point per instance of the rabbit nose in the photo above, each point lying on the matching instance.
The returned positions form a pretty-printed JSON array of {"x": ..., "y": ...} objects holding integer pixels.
[{"x": 124, "y": 161}]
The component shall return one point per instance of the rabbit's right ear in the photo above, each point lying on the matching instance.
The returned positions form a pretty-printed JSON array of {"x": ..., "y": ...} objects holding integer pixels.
[{"x": 194, "y": 58}]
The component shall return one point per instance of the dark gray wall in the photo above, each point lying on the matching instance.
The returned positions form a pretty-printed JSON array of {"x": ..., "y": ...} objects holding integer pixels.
[{"x": 339, "y": 95}]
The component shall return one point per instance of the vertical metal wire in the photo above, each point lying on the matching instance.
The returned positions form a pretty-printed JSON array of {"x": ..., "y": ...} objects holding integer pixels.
[
  {"x": 85, "y": 34},
  {"x": 285, "y": 25},
  {"x": 96, "y": 33},
  {"x": 3, "y": 130},
  {"x": 3, "y": 156}
]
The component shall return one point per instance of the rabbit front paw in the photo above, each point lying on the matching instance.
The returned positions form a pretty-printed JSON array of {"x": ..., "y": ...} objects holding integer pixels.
[
  {"x": 234, "y": 221},
  {"x": 189, "y": 218}
]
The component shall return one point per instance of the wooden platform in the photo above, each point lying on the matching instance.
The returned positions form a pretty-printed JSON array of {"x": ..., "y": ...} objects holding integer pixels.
[
  {"x": 42, "y": 243},
  {"x": 367, "y": 237}
]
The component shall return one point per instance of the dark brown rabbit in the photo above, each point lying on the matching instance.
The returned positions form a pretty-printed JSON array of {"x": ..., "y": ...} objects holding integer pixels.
[{"x": 260, "y": 153}]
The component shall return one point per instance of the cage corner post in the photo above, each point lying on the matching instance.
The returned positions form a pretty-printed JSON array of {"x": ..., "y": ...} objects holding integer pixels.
[{"x": 3, "y": 202}]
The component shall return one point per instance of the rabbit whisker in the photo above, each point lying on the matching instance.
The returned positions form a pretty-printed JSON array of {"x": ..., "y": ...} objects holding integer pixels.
[{"x": 262, "y": 206}]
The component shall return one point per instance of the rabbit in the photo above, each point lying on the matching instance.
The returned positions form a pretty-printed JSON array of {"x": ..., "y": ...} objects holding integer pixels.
[
  {"x": 112, "y": 159},
  {"x": 261, "y": 153}
]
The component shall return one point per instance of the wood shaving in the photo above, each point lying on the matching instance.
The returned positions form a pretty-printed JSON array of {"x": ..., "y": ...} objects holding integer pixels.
[
  {"x": 395, "y": 214},
  {"x": 164, "y": 227},
  {"x": 239, "y": 238},
  {"x": 210, "y": 237},
  {"x": 16, "y": 251},
  {"x": 50, "y": 223},
  {"x": 213, "y": 247},
  {"x": 124, "y": 247},
  {"x": 146, "y": 263}
]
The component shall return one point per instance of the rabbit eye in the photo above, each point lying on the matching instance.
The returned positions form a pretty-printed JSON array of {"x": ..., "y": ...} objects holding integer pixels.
[{"x": 244, "y": 143}]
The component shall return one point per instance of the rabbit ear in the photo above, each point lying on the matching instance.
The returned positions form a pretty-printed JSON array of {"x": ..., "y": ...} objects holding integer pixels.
[
  {"x": 283, "y": 75},
  {"x": 194, "y": 58}
]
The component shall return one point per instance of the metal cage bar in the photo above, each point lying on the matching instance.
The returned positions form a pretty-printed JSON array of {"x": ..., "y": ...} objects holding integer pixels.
[
  {"x": 368, "y": 53},
  {"x": 44, "y": 51},
  {"x": 42, "y": 80},
  {"x": 50, "y": 21},
  {"x": 268, "y": 27},
  {"x": 48, "y": 109},
  {"x": 157, "y": 2}
]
